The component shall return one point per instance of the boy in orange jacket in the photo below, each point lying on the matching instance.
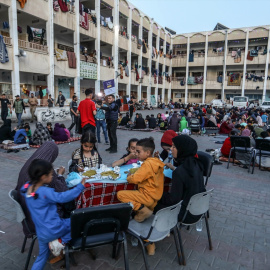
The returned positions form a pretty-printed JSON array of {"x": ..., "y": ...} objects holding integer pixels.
[{"x": 149, "y": 178}]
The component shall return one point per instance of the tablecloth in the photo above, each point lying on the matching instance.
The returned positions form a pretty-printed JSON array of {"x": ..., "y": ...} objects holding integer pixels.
[{"x": 104, "y": 192}]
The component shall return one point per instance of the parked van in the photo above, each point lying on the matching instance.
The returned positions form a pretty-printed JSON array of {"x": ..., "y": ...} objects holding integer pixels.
[{"x": 241, "y": 102}]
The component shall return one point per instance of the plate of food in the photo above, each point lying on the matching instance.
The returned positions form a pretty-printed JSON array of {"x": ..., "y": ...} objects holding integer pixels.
[
  {"x": 133, "y": 170},
  {"x": 90, "y": 173},
  {"x": 112, "y": 175}
]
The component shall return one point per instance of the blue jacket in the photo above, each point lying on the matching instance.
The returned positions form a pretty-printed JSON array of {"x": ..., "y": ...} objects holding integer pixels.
[
  {"x": 100, "y": 114},
  {"x": 43, "y": 210},
  {"x": 20, "y": 136},
  {"x": 111, "y": 111}
]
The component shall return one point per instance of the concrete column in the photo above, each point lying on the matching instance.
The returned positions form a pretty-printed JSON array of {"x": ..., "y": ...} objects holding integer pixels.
[
  {"x": 97, "y": 46},
  {"x": 224, "y": 65},
  {"x": 164, "y": 69},
  {"x": 15, "y": 73},
  {"x": 129, "y": 30},
  {"x": 140, "y": 59},
  {"x": 150, "y": 47},
  {"x": 205, "y": 67},
  {"x": 50, "y": 44},
  {"x": 245, "y": 64},
  {"x": 187, "y": 71},
  {"x": 170, "y": 73},
  {"x": 157, "y": 66},
  {"x": 266, "y": 68},
  {"x": 77, "y": 79},
  {"x": 116, "y": 41}
]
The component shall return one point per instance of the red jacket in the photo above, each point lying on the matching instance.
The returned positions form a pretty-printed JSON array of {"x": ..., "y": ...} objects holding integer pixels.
[{"x": 226, "y": 147}]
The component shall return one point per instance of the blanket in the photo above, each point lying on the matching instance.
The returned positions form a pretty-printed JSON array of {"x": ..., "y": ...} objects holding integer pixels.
[
  {"x": 61, "y": 55},
  {"x": 68, "y": 141}
]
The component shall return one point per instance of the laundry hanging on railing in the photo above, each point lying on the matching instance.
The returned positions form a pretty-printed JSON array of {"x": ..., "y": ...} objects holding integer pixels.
[
  {"x": 71, "y": 59},
  {"x": 61, "y": 55},
  {"x": 84, "y": 22},
  {"x": 22, "y": 3},
  {"x": 220, "y": 49},
  {"x": 191, "y": 81},
  {"x": 3, "y": 51},
  {"x": 191, "y": 57},
  {"x": 254, "y": 77},
  {"x": 234, "y": 79},
  {"x": 160, "y": 80},
  {"x": 63, "y": 5},
  {"x": 144, "y": 47},
  {"x": 249, "y": 57},
  {"x": 35, "y": 33},
  {"x": 199, "y": 80},
  {"x": 219, "y": 79},
  {"x": 253, "y": 53}
]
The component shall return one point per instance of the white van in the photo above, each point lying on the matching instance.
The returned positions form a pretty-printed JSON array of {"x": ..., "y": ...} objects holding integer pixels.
[{"x": 241, "y": 102}]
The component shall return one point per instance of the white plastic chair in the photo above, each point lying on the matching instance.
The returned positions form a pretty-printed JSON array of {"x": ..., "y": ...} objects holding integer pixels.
[
  {"x": 198, "y": 206},
  {"x": 156, "y": 228},
  {"x": 20, "y": 217}
]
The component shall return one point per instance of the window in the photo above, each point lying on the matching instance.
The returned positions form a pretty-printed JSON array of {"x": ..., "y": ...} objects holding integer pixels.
[
  {"x": 179, "y": 95},
  {"x": 240, "y": 99},
  {"x": 195, "y": 95}
]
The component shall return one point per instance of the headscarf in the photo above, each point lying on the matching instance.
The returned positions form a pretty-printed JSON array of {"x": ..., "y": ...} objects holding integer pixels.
[
  {"x": 167, "y": 137},
  {"x": 186, "y": 152},
  {"x": 163, "y": 116},
  {"x": 49, "y": 152},
  {"x": 41, "y": 134},
  {"x": 213, "y": 119}
]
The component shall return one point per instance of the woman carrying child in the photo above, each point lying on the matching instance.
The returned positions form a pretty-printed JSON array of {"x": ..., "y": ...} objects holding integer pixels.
[
  {"x": 130, "y": 157},
  {"x": 87, "y": 155},
  {"x": 52, "y": 231}
]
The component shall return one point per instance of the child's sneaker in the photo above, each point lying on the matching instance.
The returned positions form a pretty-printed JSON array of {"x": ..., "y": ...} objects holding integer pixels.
[
  {"x": 56, "y": 247},
  {"x": 151, "y": 249}
]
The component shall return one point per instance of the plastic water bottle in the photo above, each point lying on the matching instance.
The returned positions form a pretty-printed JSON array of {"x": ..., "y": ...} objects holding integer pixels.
[
  {"x": 170, "y": 157},
  {"x": 27, "y": 141},
  {"x": 199, "y": 226},
  {"x": 134, "y": 241}
]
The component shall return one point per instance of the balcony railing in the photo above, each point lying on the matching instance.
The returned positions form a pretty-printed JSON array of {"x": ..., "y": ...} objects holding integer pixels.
[
  {"x": 215, "y": 54},
  {"x": 30, "y": 46},
  {"x": 7, "y": 40}
]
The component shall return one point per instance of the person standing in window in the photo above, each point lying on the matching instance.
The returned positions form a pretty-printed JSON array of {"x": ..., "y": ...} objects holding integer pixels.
[{"x": 61, "y": 99}]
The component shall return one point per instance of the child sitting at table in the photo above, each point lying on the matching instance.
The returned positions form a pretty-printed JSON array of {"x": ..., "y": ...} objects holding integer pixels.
[
  {"x": 149, "y": 178},
  {"x": 130, "y": 157},
  {"x": 52, "y": 231},
  {"x": 87, "y": 155}
]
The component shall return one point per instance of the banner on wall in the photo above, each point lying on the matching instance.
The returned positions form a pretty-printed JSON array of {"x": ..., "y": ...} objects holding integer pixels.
[
  {"x": 88, "y": 70},
  {"x": 153, "y": 100},
  {"x": 109, "y": 87}
]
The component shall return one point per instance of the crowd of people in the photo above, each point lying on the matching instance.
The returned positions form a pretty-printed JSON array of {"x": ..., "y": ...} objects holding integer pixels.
[{"x": 46, "y": 198}]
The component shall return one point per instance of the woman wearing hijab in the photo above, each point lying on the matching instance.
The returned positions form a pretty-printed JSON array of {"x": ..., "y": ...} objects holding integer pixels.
[
  {"x": 187, "y": 178},
  {"x": 49, "y": 152},
  {"x": 5, "y": 131},
  {"x": 174, "y": 122},
  {"x": 224, "y": 128},
  {"x": 163, "y": 117},
  {"x": 140, "y": 123},
  {"x": 183, "y": 124},
  {"x": 59, "y": 134},
  {"x": 212, "y": 122},
  {"x": 41, "y": 134}
]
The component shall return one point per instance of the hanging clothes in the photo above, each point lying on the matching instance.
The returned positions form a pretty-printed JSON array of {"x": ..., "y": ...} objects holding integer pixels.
[
  {"x": 199, "y": 80},
  {"x": 234, "y": 79},
  {"x": 63, "y": 5},
  {"x": 191, "y": 81},
  {"x": 234, "y": 53},
  {"x": 22, "y": 3},
  {"x": 155, "y": 78},
  {"x": 253, "y": 53},
  {"x": 44, "y": 91},
  {"x": 40, "y": 94},
  {"x": 84, "y": 22},
  {"x": 121, "y": 72},
  {"x": 191, "y": 57},
  {"x": 137, "y": 74},
  {"x": 249, "y": 57},
  {"x": 219, "y": 79},
  {"x": 144, "y": 47},
  {"x": 71, "y": 59},
  {"x": 127, "y": 70},
  {"x": 30, "y": 34},
  {"x": 56, "y": 6},
  {"x": 5, "y": 25},
  {"x": 61, "y": 55},
  {"x": 3, "y": 51}
]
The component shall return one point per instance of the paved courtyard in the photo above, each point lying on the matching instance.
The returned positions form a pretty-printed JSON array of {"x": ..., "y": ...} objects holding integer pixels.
[{"x": 239, "y": 218}]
